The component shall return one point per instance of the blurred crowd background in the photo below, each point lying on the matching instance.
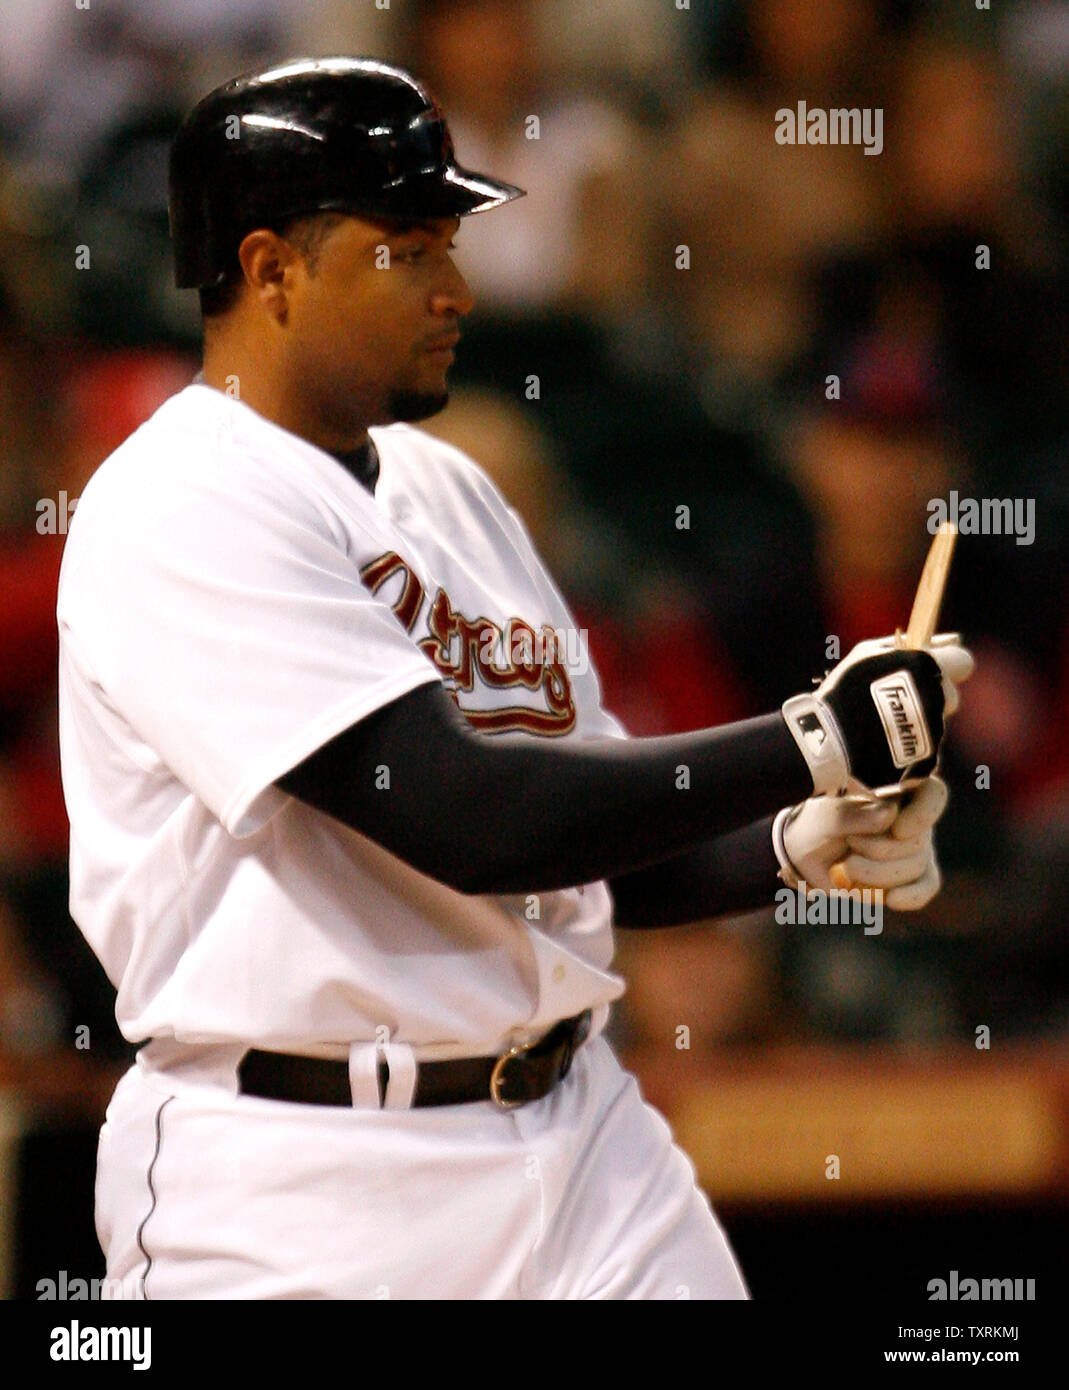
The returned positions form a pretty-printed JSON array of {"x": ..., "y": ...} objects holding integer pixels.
[{"x": 682, "y": 287}]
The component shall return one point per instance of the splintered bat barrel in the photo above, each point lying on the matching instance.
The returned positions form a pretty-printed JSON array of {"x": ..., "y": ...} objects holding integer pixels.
[
  {"x": 929, "y": 598},
  {"x": 923, "y": 620}
]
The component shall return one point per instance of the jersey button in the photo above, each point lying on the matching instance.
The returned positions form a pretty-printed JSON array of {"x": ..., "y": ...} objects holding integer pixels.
[{"x": 558, "y": 974}]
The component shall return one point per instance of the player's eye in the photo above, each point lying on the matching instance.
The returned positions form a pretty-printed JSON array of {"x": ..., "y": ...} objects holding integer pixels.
[{"x": 417, "y": 253}]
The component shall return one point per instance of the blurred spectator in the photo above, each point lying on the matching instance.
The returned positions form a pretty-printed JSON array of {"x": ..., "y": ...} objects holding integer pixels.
[
  {"x": 868, "y": 460},
  {"x": 577, "y": 240},
  {"x": 645, "y": 54},
  {"x": 70, "y": 75},
  {"x": 756, "y": 215},
  {"x": 969, "y": 243},
  {"x": 1037, "y": 50},
  {"x": 331, "y": 27},
  {"x": 89, "y": 101}
]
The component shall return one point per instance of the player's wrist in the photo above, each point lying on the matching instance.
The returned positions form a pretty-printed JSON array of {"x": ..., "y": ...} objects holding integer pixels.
[{"x": 788, "y": 871}]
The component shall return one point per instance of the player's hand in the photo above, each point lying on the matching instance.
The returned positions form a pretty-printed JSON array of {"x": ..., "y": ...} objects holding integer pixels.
[
  {"x": 886, "y": 845},
  {"x": 875, "y": 723}
]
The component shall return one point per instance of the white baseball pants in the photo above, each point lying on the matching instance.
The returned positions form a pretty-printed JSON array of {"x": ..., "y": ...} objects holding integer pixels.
[{"x": 205, "y": 1194}]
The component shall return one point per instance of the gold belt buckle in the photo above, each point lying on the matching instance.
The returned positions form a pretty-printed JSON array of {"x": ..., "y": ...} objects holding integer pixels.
[{"x": 497, "y": 1074}]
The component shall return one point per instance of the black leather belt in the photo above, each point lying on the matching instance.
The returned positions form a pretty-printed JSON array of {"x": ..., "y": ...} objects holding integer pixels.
[{"x": 524, "y": 1073}]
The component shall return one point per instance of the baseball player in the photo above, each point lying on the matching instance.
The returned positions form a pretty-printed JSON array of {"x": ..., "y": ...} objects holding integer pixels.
[{"x": 349, "y": 825}]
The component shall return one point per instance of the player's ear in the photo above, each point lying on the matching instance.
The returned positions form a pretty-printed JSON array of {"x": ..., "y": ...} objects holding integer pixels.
[{"x": 268, "y": 262}]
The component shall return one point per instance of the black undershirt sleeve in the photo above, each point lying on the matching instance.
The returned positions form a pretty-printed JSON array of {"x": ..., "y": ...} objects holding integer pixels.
[
  {"x": 519, "y": 814},
  {"x": 737, "y": 872}
]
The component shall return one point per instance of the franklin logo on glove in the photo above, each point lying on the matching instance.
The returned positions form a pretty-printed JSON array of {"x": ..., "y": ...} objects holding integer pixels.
[{"x": 899, "y": 707}]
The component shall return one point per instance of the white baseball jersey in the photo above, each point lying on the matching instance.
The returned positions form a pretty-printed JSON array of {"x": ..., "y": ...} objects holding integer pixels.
[{"x": 231, "y": 598}]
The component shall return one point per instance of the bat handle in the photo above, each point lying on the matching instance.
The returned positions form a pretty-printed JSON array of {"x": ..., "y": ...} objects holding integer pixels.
[{"x": 840, "y": 878}]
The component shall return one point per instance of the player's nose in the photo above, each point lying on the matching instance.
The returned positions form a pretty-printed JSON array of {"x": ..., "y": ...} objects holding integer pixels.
[{"x": 452, "y": 295}]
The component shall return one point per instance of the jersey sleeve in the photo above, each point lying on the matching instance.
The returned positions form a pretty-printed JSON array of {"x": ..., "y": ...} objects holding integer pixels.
[{"x": 233, "y": 635}]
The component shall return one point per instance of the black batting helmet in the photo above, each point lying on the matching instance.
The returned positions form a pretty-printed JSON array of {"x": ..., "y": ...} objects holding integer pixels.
[{"x": 309, "y": 135}]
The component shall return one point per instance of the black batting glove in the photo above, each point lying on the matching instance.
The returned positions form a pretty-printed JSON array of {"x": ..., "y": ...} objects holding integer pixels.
[{"x": 875, "y": 723}]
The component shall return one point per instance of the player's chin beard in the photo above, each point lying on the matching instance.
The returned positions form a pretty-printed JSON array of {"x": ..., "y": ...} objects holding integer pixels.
[{"x": 417, "y": 405}]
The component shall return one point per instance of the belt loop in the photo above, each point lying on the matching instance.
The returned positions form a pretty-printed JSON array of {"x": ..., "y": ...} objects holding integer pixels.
[
  {"x": 400, "y": 1062},
  {"x": 363, "y": 1074}
]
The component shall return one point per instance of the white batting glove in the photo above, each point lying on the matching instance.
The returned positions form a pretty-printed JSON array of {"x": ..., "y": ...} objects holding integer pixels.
[
  {"x": 956, "y": 663},
  {"x": 887, "y": 845}
]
